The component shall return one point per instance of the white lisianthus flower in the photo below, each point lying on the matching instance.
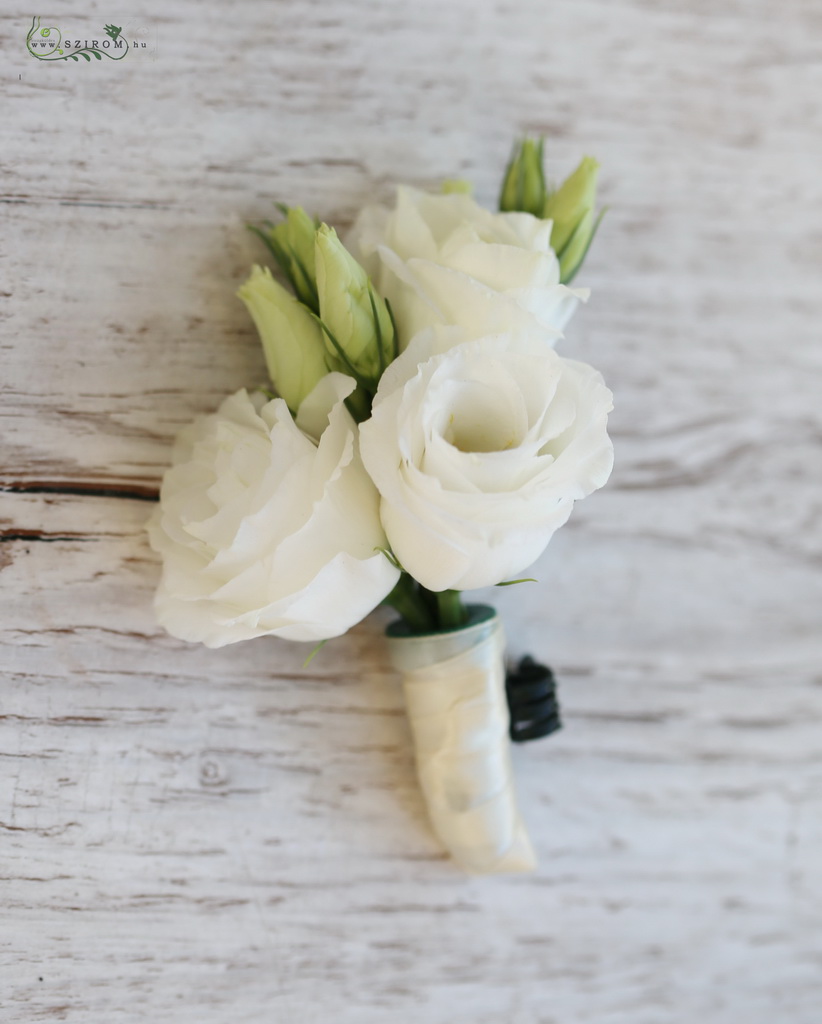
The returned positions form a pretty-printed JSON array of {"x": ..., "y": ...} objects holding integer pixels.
[
  {"x": 444, "y": 259},
  {"x": 479, "y": 449},
  {"x": 269, "y": 526}
]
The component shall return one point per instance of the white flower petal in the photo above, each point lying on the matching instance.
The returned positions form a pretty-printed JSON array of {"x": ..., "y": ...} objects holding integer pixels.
[
  {"x": 264, "y": 530},
  {"x": 508, "y": 256},
  {"x": 479, "y": 449}
]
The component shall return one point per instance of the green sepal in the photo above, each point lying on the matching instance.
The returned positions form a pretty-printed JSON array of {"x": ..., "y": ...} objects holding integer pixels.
[{"x": 570, "y": 262}]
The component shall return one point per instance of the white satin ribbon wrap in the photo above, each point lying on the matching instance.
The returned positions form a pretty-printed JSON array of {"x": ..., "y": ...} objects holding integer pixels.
[{"x": 455, "y": 695}]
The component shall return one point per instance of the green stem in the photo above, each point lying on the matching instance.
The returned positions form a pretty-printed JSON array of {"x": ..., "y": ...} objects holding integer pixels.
[
  {"x": 407, "y": 600},
  {"x": 358, "y": 404},
  {"x": 450, "y": 609},
  {"x": 427, "y": 611}
]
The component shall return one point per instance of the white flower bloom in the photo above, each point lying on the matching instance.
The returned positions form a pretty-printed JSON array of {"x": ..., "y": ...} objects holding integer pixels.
[
  {"x": 443, "y": 259},
  {"x": 479, "y": 449},
  {"x": 267, "y": 526}
]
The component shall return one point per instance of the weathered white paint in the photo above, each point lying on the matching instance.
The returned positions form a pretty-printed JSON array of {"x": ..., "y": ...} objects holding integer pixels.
[{"x": 196, "y": 837}]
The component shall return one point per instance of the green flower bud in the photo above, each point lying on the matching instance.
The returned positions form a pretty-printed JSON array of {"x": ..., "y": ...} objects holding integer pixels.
[
  {"x": 295, "y": 353},
  {"x": 292, "y": 245},
  {"x": 523, "y": 187},
  {"x": 456, "y": 187},
  {"x": 356, "y": 320},
  {"x": 567, "y": 206}
]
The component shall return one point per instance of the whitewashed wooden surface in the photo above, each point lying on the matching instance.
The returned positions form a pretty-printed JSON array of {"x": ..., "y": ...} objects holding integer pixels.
[{"x": 195, "y": 837}]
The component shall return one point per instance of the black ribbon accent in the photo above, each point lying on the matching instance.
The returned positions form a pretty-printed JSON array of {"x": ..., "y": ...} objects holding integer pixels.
[{"x": 531, "y": 690}]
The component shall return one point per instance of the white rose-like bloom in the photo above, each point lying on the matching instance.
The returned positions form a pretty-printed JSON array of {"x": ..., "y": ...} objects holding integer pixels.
[
  {"x": 479, "y": 449},
  {"x": 444, "y": 259},
  {"x": 265, "y": 530}
]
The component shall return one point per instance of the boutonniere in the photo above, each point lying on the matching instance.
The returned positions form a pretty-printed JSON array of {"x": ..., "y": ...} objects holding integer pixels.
[{"x": 423, "y": 438}]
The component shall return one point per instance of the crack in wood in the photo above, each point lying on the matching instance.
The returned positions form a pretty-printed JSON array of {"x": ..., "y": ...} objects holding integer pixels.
[
  {"x": 133, "y": 492},
  {"x": 6, "y": 537}
]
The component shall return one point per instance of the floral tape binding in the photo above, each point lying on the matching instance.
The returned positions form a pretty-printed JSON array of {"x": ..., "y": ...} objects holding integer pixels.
[{"x": 454, "y": 686}]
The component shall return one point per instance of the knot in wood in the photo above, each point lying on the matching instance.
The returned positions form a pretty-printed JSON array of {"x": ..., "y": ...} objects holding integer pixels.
[{"x": 212, "y": 771}]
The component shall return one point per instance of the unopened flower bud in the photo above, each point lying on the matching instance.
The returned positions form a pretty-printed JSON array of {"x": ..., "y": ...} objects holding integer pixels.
[
  {"x": 356, "y": 320},
  {"x": 523, "y": 188},
  {"x": 571, "y": 208},
  {"x": 292, "y": 244},
  {"x": 295, "y": 353},
  {"x": 456, "y": 187}
]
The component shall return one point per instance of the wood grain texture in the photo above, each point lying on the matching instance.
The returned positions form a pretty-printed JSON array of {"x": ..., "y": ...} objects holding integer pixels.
[{"x": 200, "y": 836}]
